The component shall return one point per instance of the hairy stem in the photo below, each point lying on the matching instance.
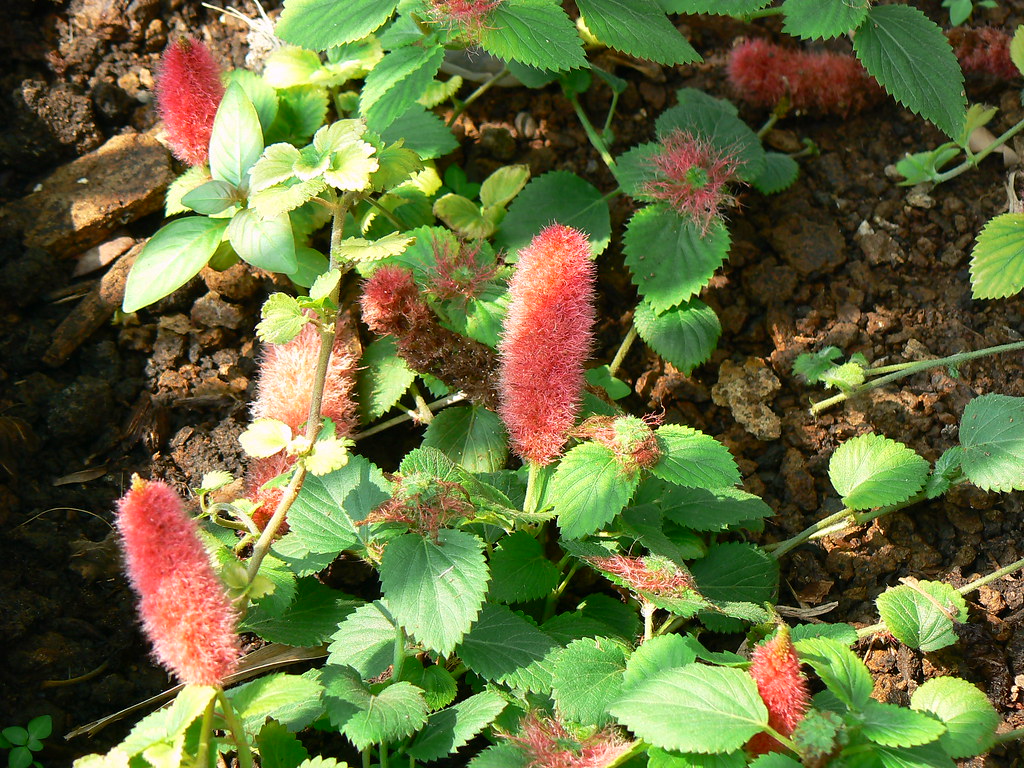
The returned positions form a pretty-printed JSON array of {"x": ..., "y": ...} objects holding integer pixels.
[
  {"x": 973, "y": 159},
  {"x": 237, "y": 731},
  {"x": 623, "y": 350},
  {"x": 437, "y": 405},
  {"x": 596, "y": 139},
  {"x": 484, "y": 88}
]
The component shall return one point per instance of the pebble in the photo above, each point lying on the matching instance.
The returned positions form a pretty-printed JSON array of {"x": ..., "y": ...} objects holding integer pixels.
[{"x": 212, "y": 311}]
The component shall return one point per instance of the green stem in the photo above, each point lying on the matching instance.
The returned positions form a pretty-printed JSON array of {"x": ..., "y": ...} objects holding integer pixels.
[
  {"x": 367, "y": 757},
  {"x": 382, "y": 754},
  {"x": 973, "y": 160},
  {"x": 398, "y": 660},
  {"x": 647, "y": 611},
  {"x": 237, "y": 731},
  {"x": 779, "y": 548},
  {"x": 205, "y": 731},
  {"x": 1014, "y": 735},
  {"x": 769, "y": 123},
  {"x": 908, "y": 369},
  {"x": 671, "y": 625},
  {"x": 437, "y": 405},
  {"x": 625, "y": 757},
  {"x": 984, "y": 580},
  {"x": 386, "y": 213},
  {"x": 551, "y": 601},
  {"x": 533, "y": 488},
  {"x": 423, "y": 412},
  {"x": 484, "y": 88},
  {"x": 596, "y": 139},
  {"x": 611, "y": 114},
  {"x": 623, "y": 350}
]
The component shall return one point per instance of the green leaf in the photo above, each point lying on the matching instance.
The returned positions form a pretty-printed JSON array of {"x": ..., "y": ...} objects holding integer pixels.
[
  {"x": 194, "y": 177},
  {"x": 780, "y": 171},
  {"x": 321, "y": 518},
  {"x": 821, "y": 19},
  {"x": 970, "y": 718},
  {"x": 365, "y": 641},
  {"x": 587, "y": 679},
  {"x": 236, "y": 141},
  {"x": 279, "y": 748},
  {"x": 394, "y": 85},
  {"x": 164, "y": 723},
  {"x": 737, "y": 572},
  {"x": 352, "y": 166},
  {"x": 300, "y": 111},
  {"x": 502, "y": 755},
  {"x": 276, "y": 164},
  {"x": 520, "y": 571},
  {"x": 845, "y": 377},
  {"x": 500, "y": 187},
  {"x": 310, "y": 620},
  {"x": 286, "y": 698},
  {"x": 589, "y": 488},
  {"x": 711, "y": 509},
  {"x": 639, "y": 28},
  {"x": 924, "y": 756},
  {"x": 504, "y": 647},
  {"x": 693, "y": 459},
  {"x": 358, "y": 250},
  {"x": 997, "y": 260},
  {"x": 922, "y": 616},
  {"x": 264, "y": 243},
  {"x": 841, "y": 633},
  {"x": 270, "y": 203},
  {"x": 874, "y": 471},
  {"x": 423, "y": 131},
  {"x": 533, "y": 32},
  {"x": 845, "y": 675},
  {"x": 895, "y": 726},
  {"x": 260, "y": 93},
  {"x": 560, "y": 196},
  {"x": 439, "y": 687},
  {"x": 947, "y": 469},
  {"x": 656, "y": 655},
  {"x": 695, "y": 708},
  {"x": 452, "y": 728},
  {"x": 1017, "y": 49},
  {"x": 172, "y": 257},
  {"x": 909, "y": 56},
  {"x": 721, "y": 7},
  {"x": 435, "y": 590},
  {"x": 684, "y": 336},
  {"x": 367, "y": 718},
  {"x": 463, "y": 215},
  {"x": 601, "y": 377},
  {"x": 670, "y": 258},
  {"x": 992, "y": 438},
  {"x": 321, "y": 24},
  {"x": 471, "y": 436},
  {"x": 211, "y": 197},
  {"x": 811, "y": 365},
  {"x": 383, "y": 379},
  {"x": 282, "y": 321}
]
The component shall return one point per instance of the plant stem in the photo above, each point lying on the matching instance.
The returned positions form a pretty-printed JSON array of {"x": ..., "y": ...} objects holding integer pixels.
[
  {"x": 237, "y": 731},
  {"x": 1014, "y": 735},
  {"x": 205, "y": 730},
  {"x": 532, "y": 488},
  {"x": 437, "y": 405},
  {"x": 386, "y": 213},
  {"x": 907, "y": 369},
  {"x": 551, "y": 601},
  {"x": 973, "y": 160},
  {"x": 423, "y": 412},
  {"x": 647, "y": 611},
  {"x": 625, "y": 757},
  {"x": 596, "y": 139},
  {"x": 480, "y": 91},
  {"x": 779, "y": 548},
  {"x": 623, "y": 350},
  {"x": 398, "y": 661}
]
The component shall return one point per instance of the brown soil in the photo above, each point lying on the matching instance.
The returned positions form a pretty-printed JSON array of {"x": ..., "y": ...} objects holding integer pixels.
[{"x": 845, "y": 257}]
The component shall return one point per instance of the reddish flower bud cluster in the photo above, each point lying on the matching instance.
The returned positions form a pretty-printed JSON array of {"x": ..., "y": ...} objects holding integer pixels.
[
  {"x": 458, "y": 271},
  {"x": 655, "y": 576},
  {"x": 631, "y": 439},
  {"x": 468, "y": 16},
  {"x": 783, "y": 689},
  {"x": 984, "y": 51},
  {"x": 547, "y": 337},
  {"x": 546, "y": 743},
  {"x": 392, "y": 305},
  {"x": 824, "y": 83},
  {"x": 425, "y": 504},
  {"x": 188, "y": 92},
  {"x": 185, "y": 611},
  {"x": 690, "y": 175}
]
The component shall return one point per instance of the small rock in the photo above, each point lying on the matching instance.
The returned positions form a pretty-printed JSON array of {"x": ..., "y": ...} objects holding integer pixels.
[
  {"x": 212, "y": 311},
  {"x": 809, "y": 246},
  {"x": 745, "y": 390},
  {"x": 100, "y": 255},
  {"x": 498, "y": 142},
  {"x": 236, "y": 282}
]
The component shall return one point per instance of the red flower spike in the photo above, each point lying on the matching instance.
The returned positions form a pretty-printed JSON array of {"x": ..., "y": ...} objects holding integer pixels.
[
  {"x": 188, "y": 92},
  {"x": 984, "y": 51},
  {"x": 392, "y": 304},
  {"x": 185, "y": 611},
  {"x": 824, "y": 83},
  {"x": 547, "y": 744},
  {"x": 646, "y": 574},
  {"x": 631, "y": 439},
  {"x": 546, "y": 338},
  {"x": 783, "y": 689},
  {"x": 469, "y": 16}
]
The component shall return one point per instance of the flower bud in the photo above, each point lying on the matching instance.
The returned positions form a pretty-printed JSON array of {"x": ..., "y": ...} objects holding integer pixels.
[
  {"x": 783, "y": 689},
  {"x": 188, "y": 92}
]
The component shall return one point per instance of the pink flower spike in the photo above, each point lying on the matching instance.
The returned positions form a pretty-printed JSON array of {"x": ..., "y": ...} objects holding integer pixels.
[
  {"x": 469, "y": 16},
  {"x": 185, "y": 611},
  {"x": 546, "y": 743},
  {"x": 783, "y": 689},
  {"x": 188, "y": 92},
  {"x": 546, "y": 338},
  {"x": 984, "y": 51}
]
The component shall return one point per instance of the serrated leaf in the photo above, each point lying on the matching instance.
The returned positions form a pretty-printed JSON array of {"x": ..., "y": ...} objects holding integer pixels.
[
  {"x": 924, "y": 756},
  {"x": 359, "y": 251},
  {"x": 844, "y": 377},
  {"x": 309, "y": 620},
  {"x": 711, "y": 509},
  {"x": 236, "y": 139},
  {"x": 922, "y": 616},
  {"x": 452, "y": 728},
  {"x": 321, "y": 24},
  {"x": 841, "y": 633},
  {"x": 1017, "y": 49},
  {"x": 695, "y": 708},
  {"x": 283, "y": 318},
  {"x": 423, "y": 131},
  {"x": 947, "y": 468},
  {"x": 383, "y": 379},
  {"x": 721, "y": 7},
  {"x": 464, "y": 216},
  {"x": 166, "y": 723},
  {"x": 822, "y": 19},
  {"x": 693, "y": 459},
  {"x": 639, "y": 28},
  {"x": 397, "y": 82},
  {"x": 352, "y": 166},
  {"x": 997, "y": 260},
  {"x": 279, "y": 748},
  {"x": 504, "y": 647},
  {"x": 328, "y": 455},
  {"x": 435, "y": 590},
  {"x": 685, "y": 336},
  {"x": 587, "y": 679},
  {"x": 737, "y": 572},
  {"x": 656, "y": 655},
  {"x": 365, "y": 641},
  {"x": 909, "y": 56},
  {"x": 500, "y": 187},
  {"x": 371, "y": 718},
  {"x": 894, "y": 726},
  {"x": 194, "y": 177},
  {"x": 589, "y": 488},
  {"x": 874, "y": 471},
  {"x": 534, "y": 32},
  {"x": 265, "y": 243},
  {"x": 779, "y": 173},
  {"x": 992, "y": 438},
  {"x": 265, "y": 437},
  {"x": 520, "y": 571},
  {"x": 811, "y": 365},
  {"x": 439, "y": 687},
  {"x": 471, "y": 436},
  {"x": 671, "y": 258},
  {"x": 286, "y": 698},
  {"x": 283, "y": 198},
  {"x": 969, "y": 716},
  {"x": 276, "y": 164},
  {"x": 845, "y": 675}
]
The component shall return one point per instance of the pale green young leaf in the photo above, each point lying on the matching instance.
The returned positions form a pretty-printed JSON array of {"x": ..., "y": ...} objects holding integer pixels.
[
  {"x": 452, "y": 728},
  {"x": 844, "y": 377},
  {"x": 895, "y": 726},
  {"x": 1017, "y": 49},
  {"x": 693, "y": 459},
  {"x": 810, "y": 366},
  {"x": 736, "y": 571},
  {"x": 396, "y": 165},
  {"x": 324, "y": 284},
  {"x": 351, "y": 167},
  {"x": 265, "y": 437},
  {"x": 923, "y": 615},
  {"x": 909, "y": 56},
  {"x": 721, "y": 7},
  {"x": 685, "y": 336},
  {"x": 338, "y": 135},
  {"x": 845, "y": 675},
  {"x": 283, "y": 198},
  {"x": 504, "y": 647},
  {"x": 588, "y": 676},
  {"x": 656, "y": 655},
  {"x": 638, "y": 28},
  {"x": 438, "y": 92},
  {"x": 779, "y": 173},
  {"x": 359, "y": 251},
  {"x": 383, "y": 378},
  {"x": 210, "y": 198},
  {"x": 500, "y": 187},
  {"x": 695, "y": 708},
  {"x": 236, "y": 140},
  {"x": 533, "y": 32},
  {"x": 290, "y": 65},
  {"x": 669, "y": 257},
  {"x": 992, "y": 438},
  {"x": 520, "y": 571},
  {"x": 289, "y": 699},
  {"x": 560, "y": 196},
  {"x": 194, "y": 177},
  {"x": 327, "y": 456},
  {"x": 365, "y": 641},
  {"x": 309, "y": 620},
  {"x": 464, "y": 216},
  {"x": 172, "y": 257},
  {"x": 435, "y": 589},
  {"x": 165, "y": 724},
  {"x": 471, "y": 436},
  {"x": 997, "y": 260},
  {"x": 874, "y": 471},
  {"x": 321, "y": 24},
  {"x": 822, "y": 19},
  {"x": 265, "y": 243},
  {"x": 276, "y": 164},
  {"x": 282, "y": 319},
  {"x": 589, "y": 488},
  {"x": 969, "y": 716}
]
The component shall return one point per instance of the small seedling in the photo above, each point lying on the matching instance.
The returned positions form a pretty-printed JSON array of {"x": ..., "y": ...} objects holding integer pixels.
[{"x": 22, "y": 743}]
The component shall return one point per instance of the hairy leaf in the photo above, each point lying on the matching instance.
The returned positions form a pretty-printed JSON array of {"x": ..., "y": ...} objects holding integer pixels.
[
  {"x": 997, "y": 261},
  {"x": 685, "y": 336},
  {"x": 874, "y": 471},
  {"x": 992, "y": 438},
  {"x": 922, "y": 616}
]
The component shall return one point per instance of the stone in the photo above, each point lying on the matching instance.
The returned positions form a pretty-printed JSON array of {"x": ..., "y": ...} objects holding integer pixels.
[
  {"x": 746, "y": 390},
  {"x": 809, "y": 246},
  {"x": 212, "y": 311}
]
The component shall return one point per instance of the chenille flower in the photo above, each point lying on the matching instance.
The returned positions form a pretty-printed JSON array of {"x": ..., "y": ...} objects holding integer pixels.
[
  {"x": 632, "y": 440},
  {"x": 984, "y": 51},
  {"x": 652, "y": 575},
  {"x": 468, "y": 16},
  {"x": 185, "y": 611},
  {"x": 690, "y": 174},
  {"x": 546, "y": 743},
  {"x": 546, "y": 339},
  {"x": 783, "y": 689},
  {"x": 188, "y": 92}
]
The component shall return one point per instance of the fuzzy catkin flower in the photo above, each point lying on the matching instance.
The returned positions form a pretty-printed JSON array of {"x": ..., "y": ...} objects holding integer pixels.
[
  {"x": 546, "y": 743},
  {"x": 783, "y": 689},
  {"x": 188, "y": 92},
  {"x": 983, "y": 51},
  {"x": 468, "y": 16},
  {"x": 546, "y": 338},
  {"x": 185, "y": 611}
]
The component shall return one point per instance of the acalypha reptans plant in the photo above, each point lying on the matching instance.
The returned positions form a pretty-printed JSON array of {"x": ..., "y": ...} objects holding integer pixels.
[{"x": 323, "y": 167}]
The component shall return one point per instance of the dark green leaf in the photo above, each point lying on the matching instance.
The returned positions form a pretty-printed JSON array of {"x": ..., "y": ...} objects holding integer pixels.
[
  {"x": 471, "y": 436},
  {"x": 693, "y": 459},
  {"x": 533, "y": 32},
  {"x": 384, "y": 378},
  {"x": 504, "y": 647},
  {"x": 321, "y": 24},
  {"x": 639, "y": 28},
  {"x": 587, "y": 679},
  {"x": 820, "y": 19},
  {"x": 309, "y": 620},
  {"x": 874, "y": 471},
  {"x": 922, "y": 616},
  {"x": 895, "y": 726},
  {"x": 684, "y": 336},
  {"x": 992, "y": 438},
  {"x": 452, "y": 728},
  {"x": 520, "y": 571},
  {"x": 846, "y": 676},
  {"x": 590, "y": 487},
  {"x": 365, "y": 641}
]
